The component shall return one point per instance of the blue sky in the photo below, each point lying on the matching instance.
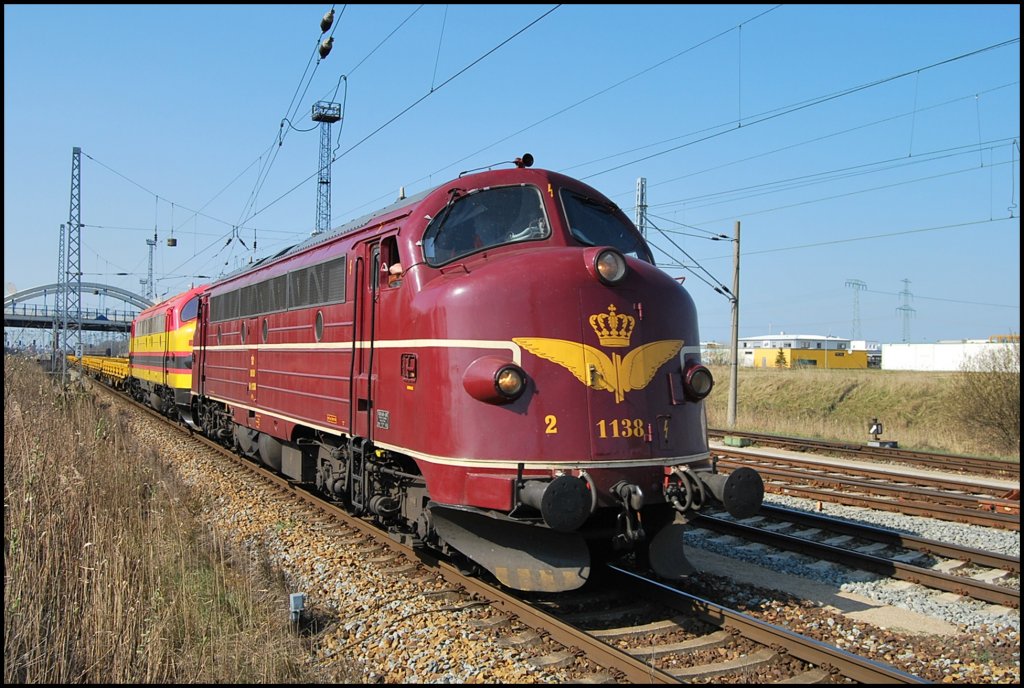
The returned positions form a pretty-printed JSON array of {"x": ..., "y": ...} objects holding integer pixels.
[{"x": 868, "y": 143}]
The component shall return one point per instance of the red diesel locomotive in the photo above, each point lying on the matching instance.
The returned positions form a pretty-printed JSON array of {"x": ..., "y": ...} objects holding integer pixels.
[{"x": 494, "y": 368}]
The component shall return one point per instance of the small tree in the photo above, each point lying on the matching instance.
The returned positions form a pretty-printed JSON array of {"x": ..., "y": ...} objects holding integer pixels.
[
  {"x": 987, "y": 396},
  {"x": 780, "y": 359}
]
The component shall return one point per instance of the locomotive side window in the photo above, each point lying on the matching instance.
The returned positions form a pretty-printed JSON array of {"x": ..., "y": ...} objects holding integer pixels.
[
  {"x": 391, "y": 266},
  {"x": 484, "y": 219},
  {"x": 596, "y": 223},
  {"x": 151, "y": 325}
]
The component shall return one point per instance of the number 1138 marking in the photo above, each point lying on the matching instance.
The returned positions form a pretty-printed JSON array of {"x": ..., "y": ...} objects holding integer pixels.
[{"x": 620, "y": 427}]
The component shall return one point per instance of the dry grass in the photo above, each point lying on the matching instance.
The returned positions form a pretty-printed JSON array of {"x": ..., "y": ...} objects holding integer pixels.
[
  {"x": 107, "y": 577},
  {"x": 917, "y": 409}
]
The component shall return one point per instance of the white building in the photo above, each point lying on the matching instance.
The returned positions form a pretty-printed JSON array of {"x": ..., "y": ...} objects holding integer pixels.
[
  {"x": 872, "y": 349},
  {"x": 799, "y": 351},
  {"x": 944, "y": 355}
]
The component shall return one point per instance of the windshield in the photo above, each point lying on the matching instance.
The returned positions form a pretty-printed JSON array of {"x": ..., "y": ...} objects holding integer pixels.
[
  {"x": 595, "y": 223},
  {"x": 190, "y": 310},
  {"x": 485, "y": 218}
]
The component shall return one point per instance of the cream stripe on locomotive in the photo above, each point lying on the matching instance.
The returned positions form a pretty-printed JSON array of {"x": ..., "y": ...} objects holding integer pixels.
[
  {"x": 517, "y": 352},
  {"x": 484, "y": 463},
  {"x": 547, "y": 464}
]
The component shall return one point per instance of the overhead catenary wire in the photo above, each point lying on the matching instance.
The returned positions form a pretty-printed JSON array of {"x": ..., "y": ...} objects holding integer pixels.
[
  {"x": 419, "y": 100},
  {"x": 385, "y": 125},
  {"x": 870, "y": 237},
  {"x": 622, "y": 82},
  {"x": 779, "y": 112},
  {"x": 344, "y": 77},
  {"x": 810, "y": 179},
  {"x": 833, "y": 197},
  {"x": 282, "y": 133},
  {"x": 791, "y": 146},
  {"x": 164, "y": 198},
  {"x": 602, "y": 91},
  {"x": 715, "y": 283}
]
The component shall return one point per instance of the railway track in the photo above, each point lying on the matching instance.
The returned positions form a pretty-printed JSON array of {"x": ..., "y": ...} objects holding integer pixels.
[
  {"x": 680, "y": 637},
  {"x": 943, "y": 462},
  {"x": 926, "y": 495},
  {"x": 644, "y": 631},
  {"x": 951, "y": 568}
]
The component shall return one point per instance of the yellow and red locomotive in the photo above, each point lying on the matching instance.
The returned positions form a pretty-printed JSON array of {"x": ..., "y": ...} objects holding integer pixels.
[
  {"x": 494, "y": 368},
  {"x": 160, "y": 352}
]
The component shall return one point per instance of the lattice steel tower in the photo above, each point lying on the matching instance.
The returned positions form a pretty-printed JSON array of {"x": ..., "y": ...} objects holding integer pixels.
[
  {"x": 150, "y": 287},
  {"x": 326, "y": 114},
  {"x": 857, "y": 286},
  {"x": 72, "y": 282},
  {"x": 905, "y": 310},
  {"x": 58, "y": 306},
  {"x": 641, "y": 205}
]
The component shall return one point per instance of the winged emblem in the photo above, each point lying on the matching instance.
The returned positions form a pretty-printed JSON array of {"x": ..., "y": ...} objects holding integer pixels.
[{"x": 595, "y": 369}]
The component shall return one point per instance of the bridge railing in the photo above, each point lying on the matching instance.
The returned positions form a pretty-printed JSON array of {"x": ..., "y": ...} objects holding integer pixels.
[{"x": 34, "y": 310}]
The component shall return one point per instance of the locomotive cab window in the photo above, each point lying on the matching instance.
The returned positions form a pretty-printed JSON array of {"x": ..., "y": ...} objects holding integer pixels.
[
  {"x": 391, "y": 265},
  {"x": 190, "y": 310},
  {"x": 483, "y": 219},
  {"x": 599, "y": 223}
]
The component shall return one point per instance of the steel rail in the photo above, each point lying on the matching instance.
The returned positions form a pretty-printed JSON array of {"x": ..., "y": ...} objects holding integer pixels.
[
  {"x": 946, "y": 582},
  {"x": 806, "y": 649},
  {"x": 971, "y": 555},
  {"x": 939, "y": 461}
]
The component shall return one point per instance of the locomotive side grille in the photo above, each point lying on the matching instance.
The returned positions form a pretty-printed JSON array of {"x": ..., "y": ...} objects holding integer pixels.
[
  {"x": 263, "y": 304},
  {"x": 277, "y": 297},
  {"x": 224, "y": 307},
  {"x": 315, "y": 279},
  {"x": 310, "y": 286},
  {"x": 249, "y": 304},
  {"x": 335, "y": 281},
  {"x": 298, "y": 290}
]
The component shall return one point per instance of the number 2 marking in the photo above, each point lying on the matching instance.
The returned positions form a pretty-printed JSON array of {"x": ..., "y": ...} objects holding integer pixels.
[{"x": 552, "y": 423}]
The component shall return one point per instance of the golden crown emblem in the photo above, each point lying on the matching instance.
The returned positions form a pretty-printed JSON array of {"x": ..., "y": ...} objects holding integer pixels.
[{"x": 613, "y": 329}]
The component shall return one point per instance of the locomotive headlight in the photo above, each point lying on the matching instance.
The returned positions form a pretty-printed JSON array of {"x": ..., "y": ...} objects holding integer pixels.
[
  {"x": 510, "y": 381},
  {"x": 494, "y": 379},
  {"x": 697, "y": 382},
  {"x": 610, "y": 266}
]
